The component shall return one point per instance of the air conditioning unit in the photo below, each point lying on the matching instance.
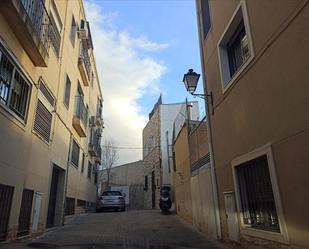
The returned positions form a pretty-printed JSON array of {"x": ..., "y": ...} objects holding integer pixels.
[
  {"x": 245, "y": 48},
  {"x": 83, "y": 30}
]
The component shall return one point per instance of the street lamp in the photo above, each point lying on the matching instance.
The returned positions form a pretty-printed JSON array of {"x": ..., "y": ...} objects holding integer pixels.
[{"x": 190, "y": 79}]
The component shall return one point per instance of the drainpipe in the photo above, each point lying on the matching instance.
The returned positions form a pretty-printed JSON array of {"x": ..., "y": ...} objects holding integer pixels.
[
  {"x": 209, "y": 130},
  {"x": 66, "y": 179}
]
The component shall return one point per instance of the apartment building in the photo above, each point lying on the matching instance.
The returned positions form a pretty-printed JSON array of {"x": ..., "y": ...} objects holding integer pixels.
[
  {"x": 50, "y": 115},
  {"x": 255, "y": 62},
  {"x": 157, "y": 148}
]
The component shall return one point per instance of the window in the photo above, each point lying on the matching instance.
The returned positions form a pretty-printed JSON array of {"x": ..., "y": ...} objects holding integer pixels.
[
  {"x": 237, "y": 49},
  {"x": 54, "y": 33},
  {"x": 14, "y": 88},
  {"x": 95, "y": 178},
  {"x": 73, "y": 31},
  {"x": 75, "y": 154},
  {"x": 235, "y": 46},
  {"x": 256, "y": 195},
  {"x": 89, "y": 170},
  {"x": 83, "y": 162},
  {"x": 205, "y": 17},
  {"x": 146, "y": 183},
  {"x": 43, "y": 114},
  {"x": 67, "y": 92}
]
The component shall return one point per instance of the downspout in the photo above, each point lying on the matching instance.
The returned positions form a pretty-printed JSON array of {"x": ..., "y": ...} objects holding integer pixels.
[
  {"x": 209, "y": 130},
  {"x": 70, "y": 142},
  {"x": 66, "y": 180}
]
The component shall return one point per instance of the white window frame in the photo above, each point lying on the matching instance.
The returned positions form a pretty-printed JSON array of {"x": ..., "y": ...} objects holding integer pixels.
[
  {"x": 239, "y": 13},
  {"x": 281, "y": 236}
]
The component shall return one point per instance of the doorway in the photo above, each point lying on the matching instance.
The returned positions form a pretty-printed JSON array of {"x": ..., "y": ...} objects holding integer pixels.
[
  {"x": 153, "y": 189},
  {"x": 55, "y": 203}
]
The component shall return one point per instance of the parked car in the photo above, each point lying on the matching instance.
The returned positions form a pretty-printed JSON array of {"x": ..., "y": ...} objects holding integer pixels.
[{"x": 111, "y": 200}]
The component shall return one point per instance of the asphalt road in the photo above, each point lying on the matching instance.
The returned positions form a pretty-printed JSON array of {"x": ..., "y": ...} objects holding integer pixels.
[{"x": 144, "y": 229}]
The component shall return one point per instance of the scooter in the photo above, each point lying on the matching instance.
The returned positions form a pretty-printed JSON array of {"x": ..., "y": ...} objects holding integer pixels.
[{"x": 165, "y": 199}]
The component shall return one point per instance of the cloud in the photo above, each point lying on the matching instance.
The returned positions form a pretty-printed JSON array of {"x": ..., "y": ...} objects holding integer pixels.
[{"x": 127, "y": 72}]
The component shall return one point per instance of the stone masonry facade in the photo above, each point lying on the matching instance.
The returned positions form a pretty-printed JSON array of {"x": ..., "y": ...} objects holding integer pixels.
[{"x": 152, "y": 160}]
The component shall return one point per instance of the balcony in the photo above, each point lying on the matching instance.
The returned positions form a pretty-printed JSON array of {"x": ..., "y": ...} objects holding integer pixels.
[
  {"x": 99, "y": 119},
  {"x": 84, "y": 64},
  {"x": 98, "y": 157},
  {"x": 94, "y": 147},
  {"x": 80, "y": 117},
  {"x": 31, "y": 24}
]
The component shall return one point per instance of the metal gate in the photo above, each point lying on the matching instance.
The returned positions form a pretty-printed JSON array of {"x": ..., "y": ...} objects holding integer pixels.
[
  {"x": 6, "y": 197},
  {"x": 25, "y": 212}
]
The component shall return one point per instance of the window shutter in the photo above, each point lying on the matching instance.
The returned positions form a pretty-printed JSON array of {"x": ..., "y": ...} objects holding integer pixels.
[{"x": 42, "y": 121}]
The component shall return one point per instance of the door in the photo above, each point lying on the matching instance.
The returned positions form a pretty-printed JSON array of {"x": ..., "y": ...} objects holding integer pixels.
[
  {"x": 36, "y": 211},
  {"x": 6, "y": 197},
  {"x": 153, "y": 189},
  {"x": 25, "y": 212},
  {"x": 231, "y": 215},
  {"x": 52, "y": 198}
]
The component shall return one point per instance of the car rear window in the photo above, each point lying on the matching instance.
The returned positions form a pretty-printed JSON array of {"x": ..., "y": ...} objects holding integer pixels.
[{"x": 111, "y": 193}]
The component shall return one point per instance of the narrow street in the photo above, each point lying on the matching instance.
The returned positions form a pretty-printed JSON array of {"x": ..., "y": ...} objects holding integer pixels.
[{"x": 114, "y": 230}]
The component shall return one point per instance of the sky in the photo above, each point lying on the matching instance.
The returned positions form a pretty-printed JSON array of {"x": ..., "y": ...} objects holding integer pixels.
[{"x": 142, "y": 49}]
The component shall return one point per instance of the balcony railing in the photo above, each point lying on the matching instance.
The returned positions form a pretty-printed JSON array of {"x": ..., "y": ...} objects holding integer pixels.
[
  {"x": 81, "y": 111},
  {"x": 80, "y": 118},
  {"x": 94, "y": 143},
  {"x": 32, "y": 26},
  {"x": 84, "y": 64}
]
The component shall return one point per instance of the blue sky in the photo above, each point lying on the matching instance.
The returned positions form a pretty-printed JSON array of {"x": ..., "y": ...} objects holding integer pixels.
[{"x": 142, "y": 49}]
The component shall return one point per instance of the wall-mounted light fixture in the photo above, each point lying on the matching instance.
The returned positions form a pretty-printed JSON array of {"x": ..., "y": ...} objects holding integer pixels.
[{"x": 190, "y": 79}]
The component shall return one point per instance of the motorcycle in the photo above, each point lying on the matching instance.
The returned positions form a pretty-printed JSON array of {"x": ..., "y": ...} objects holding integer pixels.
[{"x": 165, "y": 199}]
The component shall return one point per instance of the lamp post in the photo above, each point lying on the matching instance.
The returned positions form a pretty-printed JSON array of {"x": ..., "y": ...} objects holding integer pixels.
[{"x": 190, "y": 80}]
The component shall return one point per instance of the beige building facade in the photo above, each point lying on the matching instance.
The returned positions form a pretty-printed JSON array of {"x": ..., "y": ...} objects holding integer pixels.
[
  {"x": 50, "y": 115},
  {"x": 254, "y": 56},
  {"x": 194, "y": 196}
]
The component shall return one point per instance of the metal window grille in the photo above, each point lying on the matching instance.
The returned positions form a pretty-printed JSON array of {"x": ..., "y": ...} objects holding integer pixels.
[
  {"x": 6, "y": 72},
  {"x": 25, "y": 212},
  {"x": 256, "y": 195},
  {"x": 14, "y": 89},
  {"x": 75, "y": 153},
  {"x": 67, "y": 92},
  {"x": 235, "y": 51},
  {"x": 50, "y": 98},
  {"x": 69, "y": 206},
  {"x": 6, "y": 197},
  {"x": 201, "y": 162},
  {"x": 19, "y": 95},
  {"x": 42, "y": 121},
  {"x": 38, "y": 18},
  {"x": 205, "y": 17},
  {"x": 89, "y": 170},
  {"x": 54, "y": 35}
]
